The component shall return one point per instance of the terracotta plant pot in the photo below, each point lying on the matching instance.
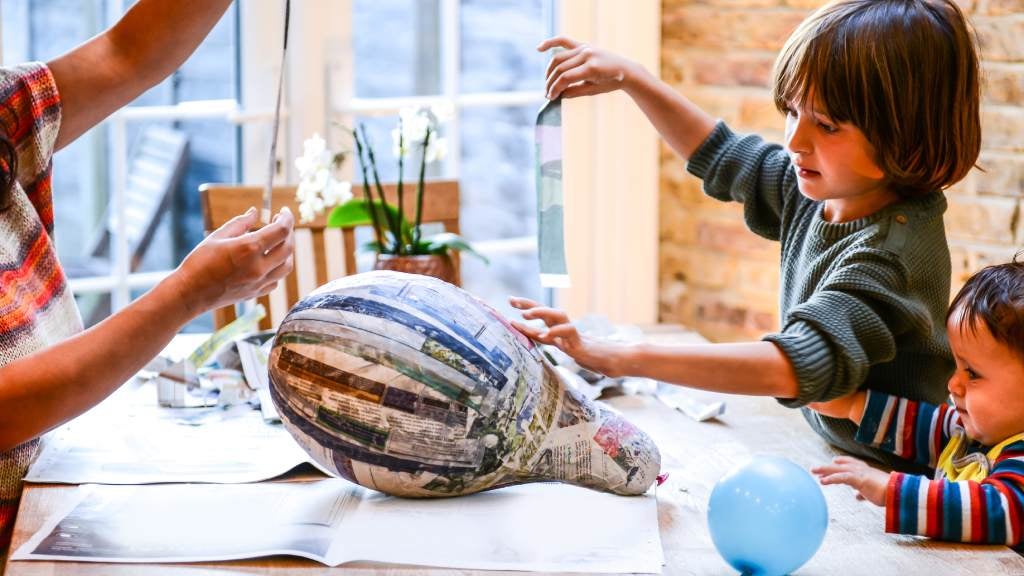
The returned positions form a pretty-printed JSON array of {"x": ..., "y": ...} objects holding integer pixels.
[{"x": 426, "y": 264}]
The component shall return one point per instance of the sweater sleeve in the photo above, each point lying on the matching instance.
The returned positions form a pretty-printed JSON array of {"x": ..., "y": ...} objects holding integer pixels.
[
  {"x": 746, "y": 169},
  {"x": 909, "y": 429},
  {"x": 985, "y": 512},
  {"x": 850, "y": 323},
  {"x": 30, "y": 116}
]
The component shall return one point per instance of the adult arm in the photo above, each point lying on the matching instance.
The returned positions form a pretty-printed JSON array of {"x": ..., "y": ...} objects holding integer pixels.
[{"x": 151, "y": 40}]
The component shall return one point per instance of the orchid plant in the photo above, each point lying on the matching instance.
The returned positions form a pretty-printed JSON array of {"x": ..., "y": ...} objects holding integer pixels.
[{"x": 416, "y": 136}]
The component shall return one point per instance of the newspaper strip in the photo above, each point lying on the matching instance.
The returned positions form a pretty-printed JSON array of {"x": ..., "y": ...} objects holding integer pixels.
[{"x": 554, "y": 273}]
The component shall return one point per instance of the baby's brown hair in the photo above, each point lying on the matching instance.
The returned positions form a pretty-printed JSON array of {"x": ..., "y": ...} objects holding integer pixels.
[{"x": 994, "y": 296}]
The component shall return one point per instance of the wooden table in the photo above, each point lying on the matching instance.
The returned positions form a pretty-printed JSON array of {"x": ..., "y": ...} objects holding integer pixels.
[{"x": 695, "y": 454}]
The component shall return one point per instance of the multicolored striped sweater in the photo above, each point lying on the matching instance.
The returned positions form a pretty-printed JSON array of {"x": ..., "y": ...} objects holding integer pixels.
[
  {"x": 36, "y": 306},
  {"x": 977, "y": 494}
]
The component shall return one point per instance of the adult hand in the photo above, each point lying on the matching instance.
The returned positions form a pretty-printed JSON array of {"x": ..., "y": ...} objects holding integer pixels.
[
  {"x": 583, "y": 70},
  {"x": 234, "y": 263},
  {"x": 870, "y": 483}
]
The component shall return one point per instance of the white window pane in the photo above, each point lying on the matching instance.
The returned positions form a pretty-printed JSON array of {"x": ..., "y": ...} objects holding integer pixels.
[
  {"x": 499, "y": 39},
  {"x": 499, "y": 198},
  {"x": 397, "y": 47}
]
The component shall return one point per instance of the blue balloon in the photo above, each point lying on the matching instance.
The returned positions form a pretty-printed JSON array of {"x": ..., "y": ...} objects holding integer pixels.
[{"x": 767, "y": 516}]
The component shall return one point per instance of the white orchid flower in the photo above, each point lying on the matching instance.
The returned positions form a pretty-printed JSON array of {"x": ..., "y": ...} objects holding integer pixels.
[
  {"x": 337, "y": 192},
  {"x": 318, "y": 189},
  {"x": 437, "y": 149}
]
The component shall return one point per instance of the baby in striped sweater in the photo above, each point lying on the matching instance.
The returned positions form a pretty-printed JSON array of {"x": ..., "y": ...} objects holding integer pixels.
[{"x": 975, "y": 442}]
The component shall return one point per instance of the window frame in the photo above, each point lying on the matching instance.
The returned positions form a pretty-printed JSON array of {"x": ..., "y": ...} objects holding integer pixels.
[{"x": 612, "y": 240}]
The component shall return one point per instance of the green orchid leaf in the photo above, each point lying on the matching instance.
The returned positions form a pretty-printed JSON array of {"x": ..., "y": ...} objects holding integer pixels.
[
  {"x": 356, "y": 212},
  {"x": 446, "y": 241}
]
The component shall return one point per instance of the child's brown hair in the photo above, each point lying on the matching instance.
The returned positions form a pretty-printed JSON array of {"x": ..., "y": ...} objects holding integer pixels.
[{"x": 905, "y": 72}]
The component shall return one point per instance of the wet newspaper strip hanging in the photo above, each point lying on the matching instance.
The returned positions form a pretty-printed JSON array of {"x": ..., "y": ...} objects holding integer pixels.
[{"x": 550, "y": 201}]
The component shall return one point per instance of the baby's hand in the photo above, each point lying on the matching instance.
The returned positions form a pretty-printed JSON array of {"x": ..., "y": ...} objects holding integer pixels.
[
  {"x": 850, "y": 407},
  {"x": 870, "y": 483},
  {"x": 582, "y": 70},
  {"x": 561, "y": 333}
]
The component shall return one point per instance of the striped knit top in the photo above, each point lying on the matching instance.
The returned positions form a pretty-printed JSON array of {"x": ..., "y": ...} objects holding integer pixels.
[
  {"x": 36, "y": 305},
  {"x": 977, "y": 494},
  {"x": 862, "y": 303}
]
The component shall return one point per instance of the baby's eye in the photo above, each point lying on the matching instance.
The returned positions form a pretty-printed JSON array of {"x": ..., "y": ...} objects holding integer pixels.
[{"x": 971, "y": 374}]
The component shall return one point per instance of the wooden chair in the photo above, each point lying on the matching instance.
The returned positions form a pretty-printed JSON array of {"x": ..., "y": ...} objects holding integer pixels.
[{"x": 321, "y": 254}]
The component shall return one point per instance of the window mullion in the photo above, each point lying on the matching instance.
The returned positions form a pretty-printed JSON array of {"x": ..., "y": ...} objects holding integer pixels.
[{"x": 450, "y": 49}]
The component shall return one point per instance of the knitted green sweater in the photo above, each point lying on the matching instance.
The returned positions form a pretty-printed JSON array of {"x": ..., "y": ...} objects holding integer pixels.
[{"x": 862, "y": 303}]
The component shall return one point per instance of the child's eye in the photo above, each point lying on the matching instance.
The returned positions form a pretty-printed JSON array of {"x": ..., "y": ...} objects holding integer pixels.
[
  {"x": 971, "y": 374},
  {"x": 828, "y": 128}
]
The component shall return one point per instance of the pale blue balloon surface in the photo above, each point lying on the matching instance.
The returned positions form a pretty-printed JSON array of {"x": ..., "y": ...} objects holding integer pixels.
[{"x": 767, "y": 516}]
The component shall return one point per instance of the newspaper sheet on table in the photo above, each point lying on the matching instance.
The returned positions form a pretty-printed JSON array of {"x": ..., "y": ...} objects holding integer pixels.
[
  {"x": 536, "y": 527},
  {"x": 142, "y": 443}
]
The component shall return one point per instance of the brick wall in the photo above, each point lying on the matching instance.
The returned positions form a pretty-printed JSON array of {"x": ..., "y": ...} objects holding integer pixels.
[{"x": 723, "y": 280}]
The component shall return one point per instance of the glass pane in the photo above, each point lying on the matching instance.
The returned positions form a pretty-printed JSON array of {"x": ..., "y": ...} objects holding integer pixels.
[
  {"x": 167, "y": 163},
  {"x": 81, "y": 187},
  {"x": 499, "y": 200},
  {"x": 397, "y": 47},
  {"x": 498, "y": 197},
  {"x": 93, "y": 306},
  {"x": 164, "y": 218},
  {"x": 499, "y": 38},
  {"x": 506, "y": 275},
  {"x": 210, "y": 73},
  {"x": 40, "y": 30}
]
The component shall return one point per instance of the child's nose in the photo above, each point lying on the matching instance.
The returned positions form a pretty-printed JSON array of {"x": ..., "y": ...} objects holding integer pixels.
[{"x": 796, "y": 136}]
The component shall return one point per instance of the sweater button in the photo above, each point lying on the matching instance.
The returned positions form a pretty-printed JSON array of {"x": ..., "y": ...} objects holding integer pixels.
[{"x": 901, "y": 218}]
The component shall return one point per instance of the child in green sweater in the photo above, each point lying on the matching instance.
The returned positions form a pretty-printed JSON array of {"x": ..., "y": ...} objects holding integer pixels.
[{"x": 881, "y": 102}]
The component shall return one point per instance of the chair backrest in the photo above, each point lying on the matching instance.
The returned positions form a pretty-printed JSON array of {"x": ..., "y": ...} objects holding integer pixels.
[{"x": 321, "y": 254}]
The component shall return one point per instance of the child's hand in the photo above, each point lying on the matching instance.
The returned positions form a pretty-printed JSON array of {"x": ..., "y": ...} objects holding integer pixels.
[
  {"x": 233, "y": 264},
  {"x": 870, "y": 483},
  {"x": 583, "y": 70},
  {"x": 562, "y": 334},
  {"x": 850, "y": 407}
]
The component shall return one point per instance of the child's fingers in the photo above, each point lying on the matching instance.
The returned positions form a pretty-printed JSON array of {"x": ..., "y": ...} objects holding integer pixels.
[
  {"x": 550, "y": 316},
  {"x": 558, "y": 62},
  {"x": 561, "y": 64},
  {"x": 560, "y": 41},
  {"x": 522, "y": 303},
  {"x": 563, "y": 331},
  {"x": 530, "y": 331},
  {"x": 826, "y": 469},
  {"x": 839, "y": 478},
  {"x": 563, "y": 81},
  {"x": 583, "y": 89},
  {"x": 846, "y": 460}
]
